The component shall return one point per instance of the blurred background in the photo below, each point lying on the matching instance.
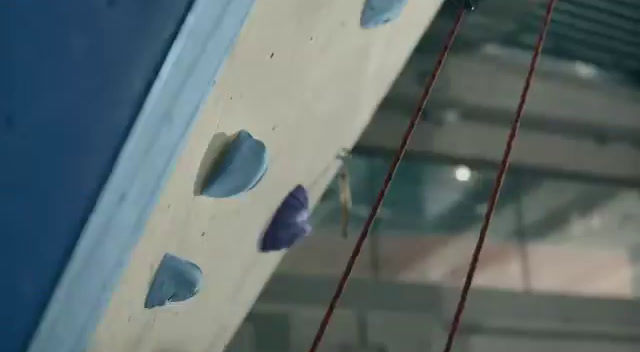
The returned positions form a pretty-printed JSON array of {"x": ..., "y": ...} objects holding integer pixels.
[{"x": 561, "y": 268}]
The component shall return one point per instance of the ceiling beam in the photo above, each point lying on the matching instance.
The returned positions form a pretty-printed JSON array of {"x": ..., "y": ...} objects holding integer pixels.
[
  {"x": 563, "y": 93},
  {"x": 485, "y": 306},
  {"x": 471, "y": 141}
]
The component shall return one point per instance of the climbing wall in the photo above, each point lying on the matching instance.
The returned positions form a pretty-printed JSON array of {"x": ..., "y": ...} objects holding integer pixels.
[{"x": 304, "y": 78}]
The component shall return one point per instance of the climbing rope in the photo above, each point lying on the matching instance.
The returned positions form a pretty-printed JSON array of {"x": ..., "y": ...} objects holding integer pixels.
[{"x": 493, "y": 199}]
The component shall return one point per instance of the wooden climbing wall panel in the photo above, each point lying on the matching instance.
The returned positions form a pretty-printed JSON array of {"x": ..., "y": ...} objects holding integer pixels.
[{"x": 305, "y": 79}]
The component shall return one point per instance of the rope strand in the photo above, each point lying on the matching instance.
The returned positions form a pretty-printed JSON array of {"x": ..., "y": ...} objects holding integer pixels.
[
  {"x": 387, "y": 182},
  {"x": 495, "y": 193}
]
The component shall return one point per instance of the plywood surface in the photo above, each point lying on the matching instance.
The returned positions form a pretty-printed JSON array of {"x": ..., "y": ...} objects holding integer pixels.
[{"x": 305, "y": 79}]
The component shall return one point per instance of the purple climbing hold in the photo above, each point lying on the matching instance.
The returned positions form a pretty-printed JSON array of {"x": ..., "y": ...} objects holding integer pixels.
[{"x": 290, "y": 222}]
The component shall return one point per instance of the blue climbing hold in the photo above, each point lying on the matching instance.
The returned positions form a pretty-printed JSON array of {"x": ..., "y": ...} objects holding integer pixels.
[
  {"x": 378, "y": 12},
  {"x": 175, "y": 280},
  {"x": 241, "y": 168},
  {"x": 290, "y": 222}
]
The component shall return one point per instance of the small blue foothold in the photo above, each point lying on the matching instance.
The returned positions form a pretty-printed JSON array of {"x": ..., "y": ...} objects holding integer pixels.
[
  {"x": 290, "y": 222},
  {"x": 378, "y": 12},
  {"x": 175, "y": 280},
  {"x": 241, "y": 168}
]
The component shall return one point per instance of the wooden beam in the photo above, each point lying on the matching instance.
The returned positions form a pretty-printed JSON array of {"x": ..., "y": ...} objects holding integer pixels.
[{"x": 305, "y": 79}]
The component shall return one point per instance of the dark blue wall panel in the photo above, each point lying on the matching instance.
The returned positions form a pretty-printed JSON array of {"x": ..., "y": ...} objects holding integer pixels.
[{"x": 73, "y": 75}]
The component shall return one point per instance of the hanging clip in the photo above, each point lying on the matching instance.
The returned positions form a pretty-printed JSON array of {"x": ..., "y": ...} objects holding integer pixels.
[{"x": 344, "y": 189}]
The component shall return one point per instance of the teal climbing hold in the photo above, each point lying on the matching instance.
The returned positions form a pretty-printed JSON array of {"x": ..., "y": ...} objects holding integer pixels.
[
  {"x": 242, "y": 166},
  {"x": 175, "y": 280},
  {"x": 378, "y": 12}
]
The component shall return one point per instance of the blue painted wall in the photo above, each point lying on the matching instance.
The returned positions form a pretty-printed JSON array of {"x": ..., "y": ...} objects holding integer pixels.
[{"x": 73, "y": 75}]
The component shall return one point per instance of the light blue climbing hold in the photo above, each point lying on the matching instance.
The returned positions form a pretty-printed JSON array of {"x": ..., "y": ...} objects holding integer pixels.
[
  {"x": 378, "y": 12},
  {"x": 175, "y": 280},
  {"x": 241, "y": 168},
  {"x": 289, "y": 223}
]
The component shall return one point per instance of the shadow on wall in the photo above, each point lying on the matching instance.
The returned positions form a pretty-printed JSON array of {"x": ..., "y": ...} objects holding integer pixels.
[{"x": 211, "y": 158}]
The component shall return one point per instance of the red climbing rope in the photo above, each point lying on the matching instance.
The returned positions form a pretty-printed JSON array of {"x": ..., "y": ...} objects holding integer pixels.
[
  {"x": 493, "y": 199},
  {"x": 502, "y": 171},
  {"x": 387, "y": 182}
]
